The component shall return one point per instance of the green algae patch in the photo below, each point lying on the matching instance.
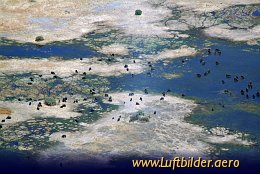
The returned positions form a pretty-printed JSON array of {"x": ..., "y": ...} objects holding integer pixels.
[
  {"x": 34, "y": 134},
  {"x": 50, "y": 101},
  {"x": 208, "y": 109},
  {"x": 139, "y": 116},
  {"x": 170, "y": 76},
  {"x": 249, "y": 107},
  {"x": 16, "y": 87}
]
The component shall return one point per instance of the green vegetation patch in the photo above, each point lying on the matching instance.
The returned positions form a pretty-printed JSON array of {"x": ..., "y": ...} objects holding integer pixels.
[
  {"x": 50, "y": 101},
  {"x": 39, "y": 39},
  {"x": 138, "y": 12},
  {"x": 140, "y": 116},
  {"x": 249, "y": 107}
]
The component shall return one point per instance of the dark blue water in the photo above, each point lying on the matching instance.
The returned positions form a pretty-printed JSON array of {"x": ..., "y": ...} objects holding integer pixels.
[
  {"x": 73, "y": 49},
  {"x": 22, "y": 162},
  {"x": 234, "y": 60},
  {"x": 256, "y": 13}
]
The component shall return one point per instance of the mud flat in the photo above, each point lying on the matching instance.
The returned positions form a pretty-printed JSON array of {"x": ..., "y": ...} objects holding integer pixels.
[
  {"x": 57, "y": 21},
  {"x": 117, "y": 49},
  {"x": 22, "y": 111},
  {"x": 54, "y": 20},
  {"x": 168, "y": 54},
  {"x": 63, "y": 20},
  {"x": 157, "y": 135},
  {"x": 225, "y": 32},
  {"x": 208, "y": 6},
  {"x": 5, "y": 111},
  {"x": 137, "y": 130},
  {"x": 66, "y": 68},
  {"x": 176, "y": 25},
  {"x": 210, "y": 16},
  {"x": 225, "y": 136}
]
